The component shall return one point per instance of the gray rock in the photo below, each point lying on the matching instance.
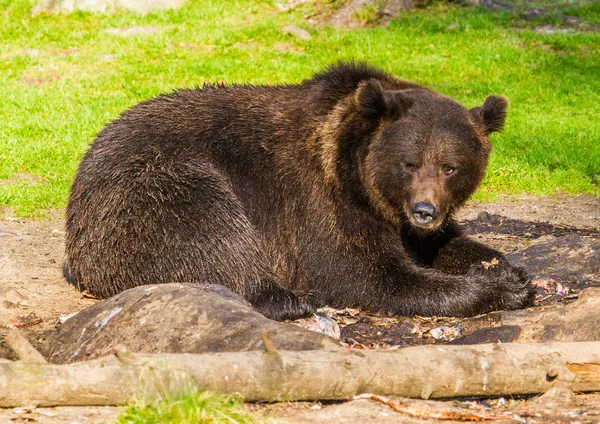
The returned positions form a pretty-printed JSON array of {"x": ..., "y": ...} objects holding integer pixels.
[
  {"x": 173, "y": 318},
  {"x": 554, "y": 398},
  {"x": 501, "y": 334},
  {"x": 386, "y": 11},
  {"x": 298, "y": 32},
  {"x": 392, "y": 8},
  {"x": 141, "y": 7},
  {"x": 566, "y": 258},
  {"x": 447, "y": 333},
  {"x": 345, "y": 15},
  {"x": 575, "y": 322},
  {"x": 578, "y": 321}
]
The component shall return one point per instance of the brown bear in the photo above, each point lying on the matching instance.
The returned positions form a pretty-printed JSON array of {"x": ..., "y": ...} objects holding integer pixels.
[{"x": 339, "y": 190}]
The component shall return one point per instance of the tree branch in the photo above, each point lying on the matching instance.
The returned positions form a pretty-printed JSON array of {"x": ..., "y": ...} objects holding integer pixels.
[{"x": 424, "y": 371}]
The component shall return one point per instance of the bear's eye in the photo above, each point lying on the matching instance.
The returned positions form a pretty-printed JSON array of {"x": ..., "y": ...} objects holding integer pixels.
[
  {"x": 412, "y": 167},
  {"x": 449, "y": 170}
]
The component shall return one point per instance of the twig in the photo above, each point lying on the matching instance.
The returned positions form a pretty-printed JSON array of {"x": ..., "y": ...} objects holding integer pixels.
[
  {"x": 124, "y": 355},
  {"x": 269, "y": 347},
  {"x": 28, "y": 321},
  {"x": 428, "y": 414}
]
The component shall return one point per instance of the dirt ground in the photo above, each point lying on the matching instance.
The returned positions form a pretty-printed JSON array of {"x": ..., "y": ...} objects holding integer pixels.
[{"x": 34, "y": 296}]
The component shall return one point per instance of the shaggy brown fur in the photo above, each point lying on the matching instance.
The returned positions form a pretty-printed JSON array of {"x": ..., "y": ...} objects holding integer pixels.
[{"x": 338, "y": 190}]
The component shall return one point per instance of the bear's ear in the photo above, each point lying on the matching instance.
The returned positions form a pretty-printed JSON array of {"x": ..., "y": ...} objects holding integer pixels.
[
  {"x": 374, "y": 102},
  {"x": 492, "y": 113}
]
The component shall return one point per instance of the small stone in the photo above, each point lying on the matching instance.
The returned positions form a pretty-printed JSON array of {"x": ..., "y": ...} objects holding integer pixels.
[
  {"x": 320, "y": 323},
  {"x": 484, "y": 216},
  {"x": 298, "y": 32},
  {"x": 446, "y": 332}
]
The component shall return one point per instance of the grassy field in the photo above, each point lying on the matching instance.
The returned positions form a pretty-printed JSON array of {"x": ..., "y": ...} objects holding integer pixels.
[{"x": 62, "y": 78}]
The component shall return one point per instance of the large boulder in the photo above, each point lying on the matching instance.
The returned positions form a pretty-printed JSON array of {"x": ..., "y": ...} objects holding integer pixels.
[
  {"x": 578, "y": 321},
  {"x": 173, "y": 318},
  {"x": 566, "y": 258}
]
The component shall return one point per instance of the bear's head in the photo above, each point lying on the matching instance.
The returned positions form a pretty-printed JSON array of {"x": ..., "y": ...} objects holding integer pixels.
[{"x": 428, "y": 153}]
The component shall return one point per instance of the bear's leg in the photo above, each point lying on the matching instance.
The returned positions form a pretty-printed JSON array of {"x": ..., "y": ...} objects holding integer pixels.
[
  {"x": 461, "y": 253},
  {"x": 176, "y": 226},
  {"x": 462, "y": 278},
  {"x": 417, "y": 290},
  {"x": 279, "y": 304},
  {"x": 463, "y": 256},
  {"x": 451, "y": 252}
]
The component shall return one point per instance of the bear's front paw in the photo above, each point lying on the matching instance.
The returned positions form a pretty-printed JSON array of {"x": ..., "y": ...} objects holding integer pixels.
[
  {"x": 511, "y": 285},
  {"x": 518, "y": 289},
  {"x": 291, "y": 306},
  {"x": 311, "y": 300}
]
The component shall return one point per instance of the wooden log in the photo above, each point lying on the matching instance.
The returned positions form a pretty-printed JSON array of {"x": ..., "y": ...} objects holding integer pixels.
[
  {"x": 23, "y": 349},
  {"x": 424, "y": 371}
]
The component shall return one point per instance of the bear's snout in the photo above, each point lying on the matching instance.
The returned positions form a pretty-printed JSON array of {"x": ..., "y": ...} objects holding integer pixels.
[{"x": 424, "y": 213}]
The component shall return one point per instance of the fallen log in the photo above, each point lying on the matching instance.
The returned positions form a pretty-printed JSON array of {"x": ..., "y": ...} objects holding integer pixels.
[
  {"x": 23, "y": 349},
  {"x": 423, "y": 371}
]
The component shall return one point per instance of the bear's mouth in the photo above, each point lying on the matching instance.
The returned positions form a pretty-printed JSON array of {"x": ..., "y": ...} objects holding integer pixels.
[
  {"x": 428, "y": 225},
  {"x": 424, "y": 217}
]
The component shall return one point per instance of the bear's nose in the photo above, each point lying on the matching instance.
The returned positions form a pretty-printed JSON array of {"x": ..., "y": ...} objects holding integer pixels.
[{"x": 424, "y": 213}]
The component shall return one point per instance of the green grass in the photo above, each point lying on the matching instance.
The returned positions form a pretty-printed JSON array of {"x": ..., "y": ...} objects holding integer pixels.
[
  {"x": 62, "y": 78},
  {"x": 192, "y": 408}
]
